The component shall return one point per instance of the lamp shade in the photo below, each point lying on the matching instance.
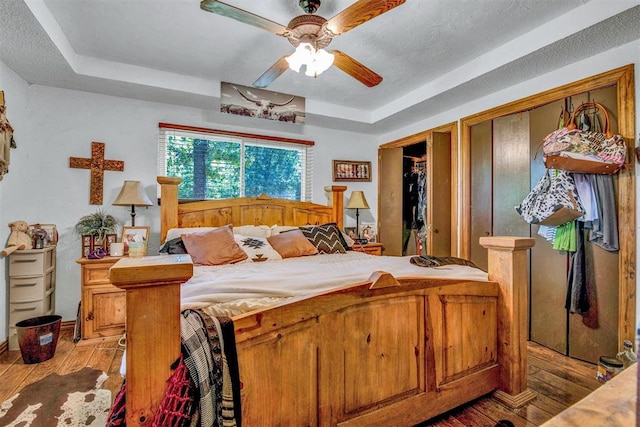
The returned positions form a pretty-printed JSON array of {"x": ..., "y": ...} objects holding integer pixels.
[
  {"x": 357, "y": 201},
  {"x": 132, "y": 193}
]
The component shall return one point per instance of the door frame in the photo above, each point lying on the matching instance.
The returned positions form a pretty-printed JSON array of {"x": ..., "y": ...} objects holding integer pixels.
[
  {"x": 623, "y": 78},
  {"x": 427, "y": 135}
]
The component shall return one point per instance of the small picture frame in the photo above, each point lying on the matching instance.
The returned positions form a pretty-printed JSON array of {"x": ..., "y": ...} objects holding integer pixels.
[
  {"x": 43, "y": 235},
  {"x": 368, "y": 233},
  {"x": 351, "y": 170},
  {"x": 134, "y": 234},
  {"x": 351, "y": 232},
  {"x": 90, "y": 243}
]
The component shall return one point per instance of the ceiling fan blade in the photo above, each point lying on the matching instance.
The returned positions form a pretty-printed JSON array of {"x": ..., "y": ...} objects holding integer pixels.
[
  {"x": 359, "y": 13},
  {"x": 355, "y": 69},
  {"x": 272, "y": 73},
  {"x": 233, "y": 12}
]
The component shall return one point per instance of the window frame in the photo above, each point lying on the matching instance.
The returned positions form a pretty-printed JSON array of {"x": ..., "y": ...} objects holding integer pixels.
[{"x": 166, "y": 129}]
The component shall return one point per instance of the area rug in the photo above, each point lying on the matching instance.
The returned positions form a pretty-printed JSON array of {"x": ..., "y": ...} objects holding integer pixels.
[{"x": 70, "y": 400}]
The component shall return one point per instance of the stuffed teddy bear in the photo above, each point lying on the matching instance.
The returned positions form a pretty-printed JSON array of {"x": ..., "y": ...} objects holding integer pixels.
[{"x": 18, "y": 239}]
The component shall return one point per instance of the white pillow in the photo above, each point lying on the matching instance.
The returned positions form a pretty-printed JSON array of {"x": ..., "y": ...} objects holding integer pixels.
[
  {"x": 257, "y": 248},
  {"x": 178, "y": 232},
  {"x": 246, "y": 230},
  {"x": 253, "y": 230},
  {"x": 349, "y": 240}
]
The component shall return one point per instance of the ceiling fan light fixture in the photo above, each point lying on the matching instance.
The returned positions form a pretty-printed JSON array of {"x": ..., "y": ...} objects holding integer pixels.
[
  {"x": 302, "y": 56},
  {"x": 315, "y": 61},
  {"x": 321, "y": 62}
]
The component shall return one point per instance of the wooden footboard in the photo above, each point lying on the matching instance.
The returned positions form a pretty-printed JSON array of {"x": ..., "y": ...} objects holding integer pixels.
[{"x": 382, "y": 352}]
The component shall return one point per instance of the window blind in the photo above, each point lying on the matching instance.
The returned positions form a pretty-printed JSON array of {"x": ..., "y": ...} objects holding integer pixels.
[{"x": 304, "y": 147}]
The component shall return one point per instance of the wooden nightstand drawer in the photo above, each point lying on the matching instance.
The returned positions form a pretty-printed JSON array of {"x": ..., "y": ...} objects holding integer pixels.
[
  {"x": 97, "y": 273},
  {"x": 369, "y": 248}
]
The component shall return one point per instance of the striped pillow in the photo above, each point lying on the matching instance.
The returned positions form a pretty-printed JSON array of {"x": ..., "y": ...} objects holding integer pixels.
[{"x": 326, "y": 238}]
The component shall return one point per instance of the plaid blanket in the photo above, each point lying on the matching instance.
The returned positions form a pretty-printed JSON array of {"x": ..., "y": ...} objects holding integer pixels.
[
  {"x": 209, "y": 355},
  {"x": 208, "y": 346}
]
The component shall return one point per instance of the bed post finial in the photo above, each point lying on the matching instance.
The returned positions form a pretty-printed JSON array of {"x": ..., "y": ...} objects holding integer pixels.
[
  {"x": 337, "y": 203},
  {"x": 168, "y": 204}
]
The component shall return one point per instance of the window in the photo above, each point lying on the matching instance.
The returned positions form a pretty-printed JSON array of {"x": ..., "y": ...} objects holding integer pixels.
[{"x": 216, "y": 164}]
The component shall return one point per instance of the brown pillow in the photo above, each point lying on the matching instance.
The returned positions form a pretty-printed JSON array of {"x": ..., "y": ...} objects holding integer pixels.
[
  {"x": 214, "y": 247},
  {"x": 292, "y": 244}
]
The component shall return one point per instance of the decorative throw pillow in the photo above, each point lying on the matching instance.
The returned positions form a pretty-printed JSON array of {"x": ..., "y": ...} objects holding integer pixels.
[
  {"x": 327, "y": 238},
  {"x": 257, "y": 248},
  {"x": 292, "y": 244},
  {"x": 214, "y": 247},
  {"x": 173, "y": 246}
]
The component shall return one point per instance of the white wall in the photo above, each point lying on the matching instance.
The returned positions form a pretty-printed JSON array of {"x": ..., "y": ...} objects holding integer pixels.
[
  {"x": 59, "y": 124},
  {"x": 16, "y": 98}
]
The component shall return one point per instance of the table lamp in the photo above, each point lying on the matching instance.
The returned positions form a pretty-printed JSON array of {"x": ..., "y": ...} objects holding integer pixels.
[
  {"x": 357, "y": 201},
  {"x": 132, "y": 193}
]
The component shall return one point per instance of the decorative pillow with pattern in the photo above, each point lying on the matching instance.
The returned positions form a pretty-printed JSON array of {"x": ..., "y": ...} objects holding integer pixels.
[
  {"x": 327, "y": 238},
  {"x": 258, "y": 249}
]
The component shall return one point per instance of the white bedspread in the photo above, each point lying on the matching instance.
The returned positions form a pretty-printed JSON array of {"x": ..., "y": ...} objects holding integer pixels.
[{"x": 237, "y": 288}]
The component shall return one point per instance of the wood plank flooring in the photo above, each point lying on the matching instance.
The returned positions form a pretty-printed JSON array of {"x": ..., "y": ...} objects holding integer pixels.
[{"x": 557, "y": 380}]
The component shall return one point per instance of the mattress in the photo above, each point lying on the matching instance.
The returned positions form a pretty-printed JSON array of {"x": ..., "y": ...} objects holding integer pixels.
[{"x": 232, "y": 289}]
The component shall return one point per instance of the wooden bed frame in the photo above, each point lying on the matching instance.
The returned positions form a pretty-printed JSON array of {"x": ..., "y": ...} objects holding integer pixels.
[{"x": 384, "y": 352}]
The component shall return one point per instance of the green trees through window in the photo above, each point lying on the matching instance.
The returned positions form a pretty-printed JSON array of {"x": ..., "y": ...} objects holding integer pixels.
[{"x": 218, "y": 168}]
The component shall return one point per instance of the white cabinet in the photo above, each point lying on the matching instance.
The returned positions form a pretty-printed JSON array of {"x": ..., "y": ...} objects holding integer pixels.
[{"x": 32, "y": 286}]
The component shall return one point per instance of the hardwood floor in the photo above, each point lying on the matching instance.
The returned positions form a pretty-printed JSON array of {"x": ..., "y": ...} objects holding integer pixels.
[
  {"x": 557, "y": 380},
  {"x": 69, "y": 357}
]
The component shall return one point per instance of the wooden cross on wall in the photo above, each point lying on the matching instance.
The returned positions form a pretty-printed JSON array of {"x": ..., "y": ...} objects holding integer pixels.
[{"x": 98, "y": 165}]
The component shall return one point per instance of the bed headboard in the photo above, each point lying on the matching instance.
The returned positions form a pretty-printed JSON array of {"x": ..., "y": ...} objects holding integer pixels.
[{"x": 262, "y": 210}]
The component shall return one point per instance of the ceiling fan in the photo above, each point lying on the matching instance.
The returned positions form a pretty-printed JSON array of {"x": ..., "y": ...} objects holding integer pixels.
[{"x": 310, "y": 34}]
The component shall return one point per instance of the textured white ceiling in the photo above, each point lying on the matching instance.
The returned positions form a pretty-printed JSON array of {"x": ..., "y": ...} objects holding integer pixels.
[{"x": 425, "y": 50}]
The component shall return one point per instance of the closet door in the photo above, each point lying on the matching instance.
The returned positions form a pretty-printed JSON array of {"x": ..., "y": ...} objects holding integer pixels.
[
  {"x": 510, "y": 173},
  {"x": 439, "y": 194},
  {"x": 548, "y": 287},
  {"x": 482, "y": 193},
  {"x": 390, "y": 166}
]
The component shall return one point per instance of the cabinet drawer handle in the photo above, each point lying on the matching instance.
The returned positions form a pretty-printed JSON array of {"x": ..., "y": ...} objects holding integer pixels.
[
  {"x": 26, "y": 309},
  {"x": 24, "y": 260},
  {"x": 24, "y": 285}
]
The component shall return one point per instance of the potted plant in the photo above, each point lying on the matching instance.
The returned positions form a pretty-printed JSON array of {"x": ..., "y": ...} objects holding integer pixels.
[{"x": 97, "y": 230}]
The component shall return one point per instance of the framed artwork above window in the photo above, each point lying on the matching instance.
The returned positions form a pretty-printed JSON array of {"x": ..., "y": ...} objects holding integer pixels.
[{"x": 351, "y": 170}]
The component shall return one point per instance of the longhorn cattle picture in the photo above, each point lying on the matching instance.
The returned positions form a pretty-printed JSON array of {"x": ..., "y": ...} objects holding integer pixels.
[{"x": 263, "y": 104}]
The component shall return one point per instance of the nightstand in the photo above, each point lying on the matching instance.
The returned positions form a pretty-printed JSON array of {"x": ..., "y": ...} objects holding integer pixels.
[
  {"x": 103, "y": 306},
  {"x": 369, "y": 248}
]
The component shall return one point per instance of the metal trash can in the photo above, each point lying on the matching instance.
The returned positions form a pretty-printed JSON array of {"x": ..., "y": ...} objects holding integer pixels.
[{"x": 38, "y": 338}]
